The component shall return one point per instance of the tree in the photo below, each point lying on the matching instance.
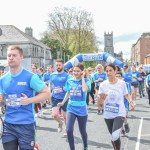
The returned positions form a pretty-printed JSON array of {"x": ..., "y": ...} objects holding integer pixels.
[{"x": 73, "y": 29}]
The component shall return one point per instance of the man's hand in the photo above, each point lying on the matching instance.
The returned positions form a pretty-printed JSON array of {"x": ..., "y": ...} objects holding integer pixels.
[
  {"x": 24, "y": 100},
  {"x": 59, "y": 105}
]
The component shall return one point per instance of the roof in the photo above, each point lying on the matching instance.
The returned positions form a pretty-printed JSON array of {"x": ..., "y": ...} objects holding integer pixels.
[{"x": 11, "y": 34}]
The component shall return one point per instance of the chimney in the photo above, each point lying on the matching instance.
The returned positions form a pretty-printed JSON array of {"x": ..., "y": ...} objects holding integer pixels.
[
  {"x": 1, "y": 32},
  {"x": 28, "y": 30}
]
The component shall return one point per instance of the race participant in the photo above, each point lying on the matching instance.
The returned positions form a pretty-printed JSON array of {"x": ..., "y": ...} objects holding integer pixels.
[
  {"x": 91, "y": 77},
  {"x": 112, "y": 92},
  {"x": 141, "y": 80},
  {"x": 134, "y": 82},
  {"x": 99, "y": 77},
  {"x": 46, "y": 77},
  {"x": 76, "y": 88},
  {"x": 125, "y": 128},
  {"x": 148, "y": 86},
  {"x": 17, "y": 87},
  {"x": 57, "y": 82}
]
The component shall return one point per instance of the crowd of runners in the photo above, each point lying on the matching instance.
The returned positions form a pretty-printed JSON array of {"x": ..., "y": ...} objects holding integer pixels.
[{"x": 68, "y": 92}]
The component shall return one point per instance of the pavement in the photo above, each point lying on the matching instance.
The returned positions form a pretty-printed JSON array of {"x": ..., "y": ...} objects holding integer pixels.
[{"x": 98, "y": 137}]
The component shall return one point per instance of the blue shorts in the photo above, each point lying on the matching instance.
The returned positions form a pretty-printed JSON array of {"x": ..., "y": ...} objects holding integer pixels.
[
  {"x": 56, "y": 101},
  {"x": 24, "y": 133}
]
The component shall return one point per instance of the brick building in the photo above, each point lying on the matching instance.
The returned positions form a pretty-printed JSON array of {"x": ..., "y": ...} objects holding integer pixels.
[
  {"x": 140, "y": 49},
  {"x": 147, "y": 59}
]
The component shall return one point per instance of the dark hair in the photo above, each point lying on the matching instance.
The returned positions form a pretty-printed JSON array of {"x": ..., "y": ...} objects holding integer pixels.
[
  {"x": 118, "y": 68},
  {"x": 80, "y": 65},
  {"x": 60, "y": 60},
  {"x": 110, "y": 65},
  {"x": 120, "y": 73},
  {"x": 15, "y": 47}
]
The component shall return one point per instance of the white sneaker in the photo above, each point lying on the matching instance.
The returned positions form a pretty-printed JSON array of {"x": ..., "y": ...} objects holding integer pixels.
[
  {"x": 60, "y": 127},
  {"x": 40, "y": 114},
  {"x": 65, "y": 134}
]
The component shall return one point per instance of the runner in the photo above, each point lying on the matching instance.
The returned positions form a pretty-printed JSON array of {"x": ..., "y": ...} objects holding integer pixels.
[
  {"x": 99, "y": 77},
  {"x": 112, "y": 92},
  {"x": 57, "y": 82},
  {"x": 46, "y": 77},
  {"x": 141, "y": 79},
  {"x": 134, "y": 82},
  {"x": 91, "y": 76},
  {"x": 76, "y": 92},
  {"x": 17, "y": 87},
  {"x": 125, "y": 128},
  {"x": 148, "y": 86}
]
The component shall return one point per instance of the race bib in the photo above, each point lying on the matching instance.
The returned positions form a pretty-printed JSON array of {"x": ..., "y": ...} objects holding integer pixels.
[
  {"x": 12, "y": 100},
  {"x": 114, "y": 108},
  {"x": 58, "y": 90},
  {"x": 75, "y": 92}
]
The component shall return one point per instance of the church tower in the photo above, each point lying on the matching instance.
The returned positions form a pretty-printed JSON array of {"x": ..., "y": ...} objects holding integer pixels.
[{"x": 108, "y": 41}]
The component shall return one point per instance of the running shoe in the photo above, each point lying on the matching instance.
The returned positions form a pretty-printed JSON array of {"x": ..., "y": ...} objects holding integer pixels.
[
  {"x": 60, "y": 127},
  {"x": 65, "y": 134},
  {"x": 98, "y": 112}
]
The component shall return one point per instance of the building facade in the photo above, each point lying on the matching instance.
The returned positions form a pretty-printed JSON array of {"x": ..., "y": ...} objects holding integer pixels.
[
  {"x": 147, "y": 59},
  {"x": 140, "y": 49},
  {"x": 34, "y": 50}
]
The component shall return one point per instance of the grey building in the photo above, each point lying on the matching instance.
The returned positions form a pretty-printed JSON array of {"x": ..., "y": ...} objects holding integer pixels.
[
  {"x": 34, "y": 50},
  {"x": 109, "y": 47}
]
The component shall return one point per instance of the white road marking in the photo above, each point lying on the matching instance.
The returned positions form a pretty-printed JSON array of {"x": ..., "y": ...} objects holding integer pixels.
[
  {"x": 139, "y": 135},
  {"x": 145, "y": 135}
]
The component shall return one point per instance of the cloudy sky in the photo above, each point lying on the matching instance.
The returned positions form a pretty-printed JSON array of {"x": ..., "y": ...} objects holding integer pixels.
[{"x": 127, "y": 19}]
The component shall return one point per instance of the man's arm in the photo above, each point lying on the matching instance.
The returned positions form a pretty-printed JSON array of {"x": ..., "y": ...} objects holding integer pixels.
[{"x": 40, "y": 97}]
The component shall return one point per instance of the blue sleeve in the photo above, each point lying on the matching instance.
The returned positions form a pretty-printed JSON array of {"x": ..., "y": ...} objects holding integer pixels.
[
  {"x": 1, "y": 91},
  {"x": 66, "y": 87},
  {"x": 36, "y": 83},
  {"x": 88, "y": 83},
  {"x": 94, "y": 78}
]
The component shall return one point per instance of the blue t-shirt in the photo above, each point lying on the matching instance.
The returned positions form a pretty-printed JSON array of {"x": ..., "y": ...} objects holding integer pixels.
[
  {"x": 99, "y": 75},
  {"x": 148, "y": 80},
  {"x": 12, "y": 86},
  {"x": 46, "y": 76},
  {"x": 135, "y": 75},
  {"x": 77, "y": 100},
  {"x": 127, "y": 77},
  {"x": 58, "y": 81},
  {"x": 40, "y": 76}
]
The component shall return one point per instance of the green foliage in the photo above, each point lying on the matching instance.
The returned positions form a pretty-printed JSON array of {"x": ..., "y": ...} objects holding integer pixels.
[{"x": 70, "y": 31}]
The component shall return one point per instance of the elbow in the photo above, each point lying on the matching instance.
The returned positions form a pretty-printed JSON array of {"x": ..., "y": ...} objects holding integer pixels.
[{"x": 85, "y": 89}]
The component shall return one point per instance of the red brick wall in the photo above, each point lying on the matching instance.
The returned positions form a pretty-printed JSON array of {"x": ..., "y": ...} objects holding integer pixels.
[{"x": 145, "y": 48}]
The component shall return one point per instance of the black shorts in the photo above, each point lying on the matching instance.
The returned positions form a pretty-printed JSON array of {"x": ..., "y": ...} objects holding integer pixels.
[{"x": 56, "y": 101}]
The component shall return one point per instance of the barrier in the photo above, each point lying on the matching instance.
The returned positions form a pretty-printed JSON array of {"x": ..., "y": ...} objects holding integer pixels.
[{"x": 106, "y": 57}]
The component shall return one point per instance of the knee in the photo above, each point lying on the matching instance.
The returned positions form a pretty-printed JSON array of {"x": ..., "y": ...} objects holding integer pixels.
[
  {"x": 115, "y": 136},
  {"x": 69, "y": 131}
]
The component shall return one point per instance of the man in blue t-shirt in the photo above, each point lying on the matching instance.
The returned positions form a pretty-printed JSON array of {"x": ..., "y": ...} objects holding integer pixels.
[
  {"x": 57, "y": 83},
  {"x": 17, "y": 87}
]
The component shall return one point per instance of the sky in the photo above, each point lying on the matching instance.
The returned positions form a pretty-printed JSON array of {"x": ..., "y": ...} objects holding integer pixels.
[{"x": 127, "y": 19}]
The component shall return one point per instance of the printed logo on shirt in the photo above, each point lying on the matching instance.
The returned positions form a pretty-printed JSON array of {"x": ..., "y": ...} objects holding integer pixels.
[{"x": 22, "y": 83}]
